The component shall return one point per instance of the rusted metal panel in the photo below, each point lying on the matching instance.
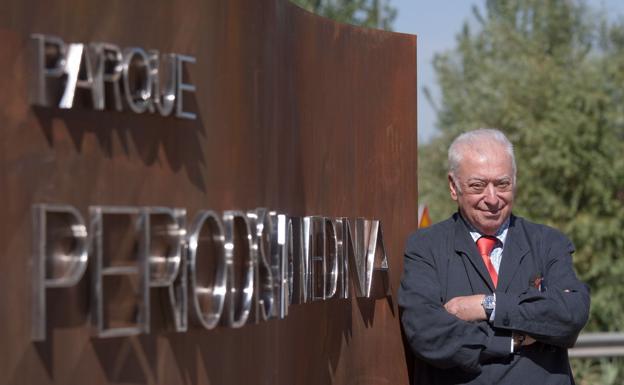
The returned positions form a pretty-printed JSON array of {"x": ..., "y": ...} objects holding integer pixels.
[{"x": 294, "y": 112}]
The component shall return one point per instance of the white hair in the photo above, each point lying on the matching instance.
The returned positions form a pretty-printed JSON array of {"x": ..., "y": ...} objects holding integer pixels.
[{"x": 474, "y": 139}]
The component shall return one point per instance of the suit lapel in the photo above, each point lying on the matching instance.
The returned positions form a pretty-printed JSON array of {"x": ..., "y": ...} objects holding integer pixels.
[
  {"x": 516, "y": 247},
  {"x": 465, "y": 246}
]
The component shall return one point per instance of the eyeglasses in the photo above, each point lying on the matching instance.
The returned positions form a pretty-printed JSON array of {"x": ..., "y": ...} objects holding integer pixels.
[{"x": 478, "y": 186}]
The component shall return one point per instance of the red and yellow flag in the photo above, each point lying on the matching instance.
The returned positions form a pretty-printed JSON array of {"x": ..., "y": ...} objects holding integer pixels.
[{"x": 423, "y": 216}]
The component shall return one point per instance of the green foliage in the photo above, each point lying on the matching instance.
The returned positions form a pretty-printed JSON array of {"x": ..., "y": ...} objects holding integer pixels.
[
  {"x": 550, "y": 74},
  {"x": 365, "y": 13},
  {"x": 598, "y": 371}
]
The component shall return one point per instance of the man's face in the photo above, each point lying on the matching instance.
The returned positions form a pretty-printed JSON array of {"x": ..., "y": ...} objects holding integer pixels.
[{"x": 486, "y": 191}]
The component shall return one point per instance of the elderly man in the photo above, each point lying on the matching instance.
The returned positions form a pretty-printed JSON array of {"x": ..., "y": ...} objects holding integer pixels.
[{"x": 488, "y": 297}]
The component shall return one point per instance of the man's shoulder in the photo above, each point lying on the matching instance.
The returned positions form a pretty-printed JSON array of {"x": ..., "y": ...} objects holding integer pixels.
[
  {"x": 435, "y": 231},
  {"x": 540, "y": 230}
]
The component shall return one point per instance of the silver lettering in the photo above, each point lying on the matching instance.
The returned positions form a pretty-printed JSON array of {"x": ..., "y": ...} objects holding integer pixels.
[
  {"x": 282, "y": 265},
  {"x": 265, "y": 245},
  {"x": 314, "y": 250},
  {"x": 207, "y": 269},
  {"x": 163, "y": 81},
  {"x": 137, "y": 82},
  {"x": 108, "y": 71},
  {"x": 120, "y": 272},
  {"x": 149, "y": 82},
  {"x": 167, "y": 265},
  {"x": 241, "y": 259},
  {"x": 369, "y": 254},
  {"x": 183, "y": 87},
  {"x": 229, "y": 269},
  {"x": 49, "y": 66},
  {"x": 342, "y": 239},
  {"x": 331, "y": 260},
  {"x": 298, "y": 256},
  {"x": 60, "y": 256}
]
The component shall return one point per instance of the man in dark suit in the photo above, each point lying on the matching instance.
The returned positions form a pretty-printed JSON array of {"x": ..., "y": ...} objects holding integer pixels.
[{"x": 488, "y": 297}]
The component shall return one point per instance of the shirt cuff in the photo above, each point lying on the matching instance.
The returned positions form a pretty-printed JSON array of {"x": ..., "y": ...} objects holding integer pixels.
[
  {"x": 494, "y": 310},
  {"x": 497, "y": 347}
]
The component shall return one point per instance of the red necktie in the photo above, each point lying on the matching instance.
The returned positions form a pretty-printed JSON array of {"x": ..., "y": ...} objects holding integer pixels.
[{"x": 485, "y": 244}]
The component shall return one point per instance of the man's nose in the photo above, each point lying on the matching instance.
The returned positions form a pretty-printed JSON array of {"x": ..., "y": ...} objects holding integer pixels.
[{"x": 491, "y": 199}]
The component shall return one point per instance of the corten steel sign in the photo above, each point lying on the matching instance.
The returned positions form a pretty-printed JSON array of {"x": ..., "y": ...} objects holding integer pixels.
[{"x": 207, "y": 192}]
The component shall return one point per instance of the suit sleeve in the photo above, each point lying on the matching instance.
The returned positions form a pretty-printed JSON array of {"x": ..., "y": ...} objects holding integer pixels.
[
  {"x": 433, "y": 334},
  {"x": 554, "y": 316}
]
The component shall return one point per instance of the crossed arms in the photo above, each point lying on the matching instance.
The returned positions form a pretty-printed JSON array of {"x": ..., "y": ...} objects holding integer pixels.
[{"x": 456, "y": 333}]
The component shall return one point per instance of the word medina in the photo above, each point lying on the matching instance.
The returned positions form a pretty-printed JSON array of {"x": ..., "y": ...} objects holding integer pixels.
[
  {"x": 229, "y": 269},
  {"x": 132, "y": 78}
]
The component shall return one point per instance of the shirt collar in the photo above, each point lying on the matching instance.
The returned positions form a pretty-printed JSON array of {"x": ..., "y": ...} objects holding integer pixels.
[{"x": 501, "y": 234}]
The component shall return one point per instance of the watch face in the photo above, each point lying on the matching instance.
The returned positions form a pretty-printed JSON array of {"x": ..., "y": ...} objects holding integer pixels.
[{"x": 488, "y": 302}]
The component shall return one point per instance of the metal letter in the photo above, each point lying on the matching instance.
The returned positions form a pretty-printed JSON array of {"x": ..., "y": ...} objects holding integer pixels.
[
  {"x": 283, "y": 269},
  {"x": 49, "y": 65},
  {"x": 314, "y": 250},
  {"x": 120, "y": 236},
  {"x": 301, "y": 264},
  {"x": 369, "y": 254},
  {"x": 88, "y": 80},
  {"x": 265, "y": 245},
  {"x": 331, "y": 260},
  {"x": 241, "y": 260},
  {"x": 207, "y": 268},
  {"x": 108, "y": 71},
  {"x": 166, "y": 263},
  {"x": 137, "y": 81},
  {"x": 60, "y": 256},
  {"x": 321, "y": 254},
  {"x": 163, "y": 81},
  {"x": 342, "y": 240},
  {"x": 181, "y": 87},
  {"x": 72, "y": 70}
]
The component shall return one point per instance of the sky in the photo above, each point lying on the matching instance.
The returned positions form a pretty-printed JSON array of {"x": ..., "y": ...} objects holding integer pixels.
[{"x": 436, "y": 23}]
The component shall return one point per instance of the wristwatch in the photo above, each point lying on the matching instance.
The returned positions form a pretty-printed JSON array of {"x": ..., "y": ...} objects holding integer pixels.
[{"x": 489, "y": 304}]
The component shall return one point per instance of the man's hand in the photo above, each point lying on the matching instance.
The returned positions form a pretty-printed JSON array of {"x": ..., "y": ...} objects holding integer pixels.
[
  {"x": 467, "y": 308},
  {"x": 520, "y": 340},
  {"x": 528, "y": 340}
]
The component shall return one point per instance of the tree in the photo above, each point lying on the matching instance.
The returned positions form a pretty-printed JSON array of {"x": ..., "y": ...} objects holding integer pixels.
[{"x": 366, "y": 13}]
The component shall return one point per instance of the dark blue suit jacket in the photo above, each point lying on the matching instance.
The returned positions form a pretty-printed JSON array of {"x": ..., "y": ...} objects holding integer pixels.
[{"x": 442, "y": 262}]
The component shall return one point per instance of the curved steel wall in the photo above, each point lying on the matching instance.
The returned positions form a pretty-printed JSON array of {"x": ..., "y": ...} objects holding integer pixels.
[{"x": 294, "y": 112}]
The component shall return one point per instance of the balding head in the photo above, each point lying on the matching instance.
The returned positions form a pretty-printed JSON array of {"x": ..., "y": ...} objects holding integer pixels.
[
  {"x": 482, "y": 177},
  {"x": 478, "y": 140}
]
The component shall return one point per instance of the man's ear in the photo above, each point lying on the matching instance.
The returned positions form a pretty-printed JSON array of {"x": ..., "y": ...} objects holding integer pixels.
[{"x": 452, "y": 187}]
